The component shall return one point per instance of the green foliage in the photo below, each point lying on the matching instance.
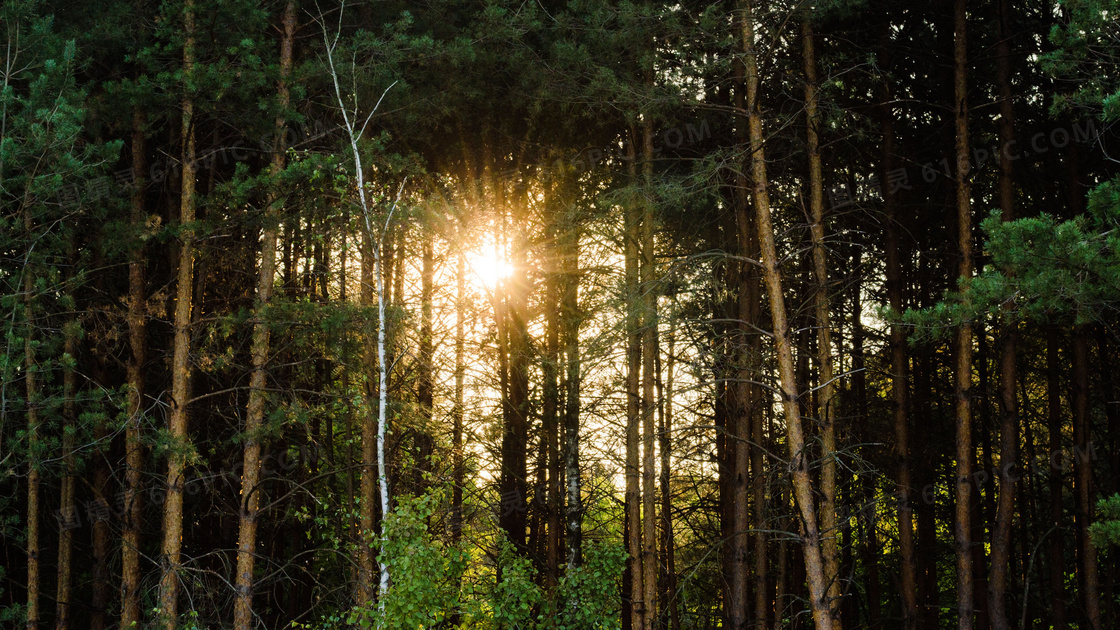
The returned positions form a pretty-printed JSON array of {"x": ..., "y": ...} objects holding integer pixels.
[
  {"x": 425, "y": 572},
  {"x": 1085, "y": 58},
  {"x": 588, "y": 594},
  {"x": 515, "y": 595},
  {"x": 1042, "y": 270},
  {"x": 1106, "y": 531}
]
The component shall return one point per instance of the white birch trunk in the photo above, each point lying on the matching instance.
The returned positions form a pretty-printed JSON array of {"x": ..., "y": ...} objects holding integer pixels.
[{"x": 383, "y": 392}]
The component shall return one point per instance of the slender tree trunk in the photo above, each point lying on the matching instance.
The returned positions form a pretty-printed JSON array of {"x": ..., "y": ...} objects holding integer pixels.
[
  {"x": 826, "y": 392},
  {"x": 1031, "y": 526},
  {"x": 138, "y": 345},
  {"x": 764, "y": 585},
  {"x": 1083, "y": 477},
  {"x": 650, "y": 351},
  {"x": 925, "y": 474},
  {"x": 983, "y": 497},
  {"x": 758, "y": 404},
  {"x": 1054, "y": 428},
  {"x": 799, "y": 465},
  {"x": 633, "y": 402},
  {"x": 101, "y": 541},
  {"x": 31, "y": 384},
  {"x": 67, "y": 505},
  {"x": 735, "y": 485},
  {"x": 782, "y": 580},
  {"x": 425, "y": 390},
  {"x": 1111, "y": 484},
  {"x": 963, "y": 369},
  {"x": 739, "y": 426},
  {"x": 373, "y": 429},
  {"x": 509, "y": 500},
  {"x": 1009, "y": 408},
  {"x": 900, "y": 387},
  {"x": 668, "y": 552},
  {"x": 872, "y": 550},
  {"x": 1109, "y": 384},
  {"x": 457, "y": 412},
  {"x": 254, "y": 416},
  {"x": 516, "y": 432},
  {"x": 180, "y": 361},
  {"x": 551, "y": 409},
  {"x": 569, "y": 307},
  {"x": 367, "y": 493}
]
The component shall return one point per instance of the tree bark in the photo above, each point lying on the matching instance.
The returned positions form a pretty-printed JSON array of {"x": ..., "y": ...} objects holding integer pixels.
[
  {"x": 1057, "y": 563},
  {"x": 869, "y": 492},
  {"x": 826, "y": 392},
  {"x": 367, "y": 481},
  {"x": 458, "y": 472},
  {"x": 569, "y": 307},
  {"x": 138, "y": 346},
  {"x": 900, "y": 386},
  {"x": 650, "y": 352},
  {"x": 373, "y": 429},
  {"x": 31, "y": 385},
  {"x": 963, "y": 369},
  {"x": 1009, "y": 408},
  {"x": 180, "y": 361},
  {"x": 1083, "y": 478},
  {"x": 67, "y": 505},
  {"x": 665, "y": 446},
  {"x": 425, "y": 375},
  {"x": 633, "y": 494},
  {"x": 515, "y": 436},
  {"x": 254, "y": 415},
  {"x": 799, "y": 465},
  {"x": 735, "y": 485},
  {"x": 550, "y": 433},
  {"x": 457, "y": 412}
]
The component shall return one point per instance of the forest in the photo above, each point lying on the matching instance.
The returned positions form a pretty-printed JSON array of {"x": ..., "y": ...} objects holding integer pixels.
[{"x": 559, "y": 314}]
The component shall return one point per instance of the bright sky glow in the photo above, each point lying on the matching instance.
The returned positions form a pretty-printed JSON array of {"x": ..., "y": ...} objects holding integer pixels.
[{"x": 488, "y": 267}]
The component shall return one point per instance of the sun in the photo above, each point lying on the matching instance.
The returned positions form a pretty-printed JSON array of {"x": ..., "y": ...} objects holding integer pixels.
[{"x": 488, "y": 267}]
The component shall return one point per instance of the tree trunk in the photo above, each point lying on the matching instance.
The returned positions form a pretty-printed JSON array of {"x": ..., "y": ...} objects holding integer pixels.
[
  {"x": 757, "y": 407},
  {"x": 650, "y": 352},
  {"x": 1054, "y": 428},
  {"x": 550, "y": 433},
  {"x": 983, "y": 497},
  {"x": 799, "y": 465},
  {"x": 900, "y": 387},
  {"x": 367, "y": 482},
  {"x": 963, "y": 370},
  {"x": 515, "y": 435},
  {"x": 826, "y": 396},
  {"x": 425, "y": 387},
  {"x": 100, "y": 589},
  {"x": 254, "y": 416},
  {"x": 633, "y": 402},
  {"x": 31, "y": 384},
  {"x": 138, "y": 345},
  {"x": 457, "y": 412},
  {"x": 1083, "y": 477},
  {"x": 570, "y": 316},
  {"x": 67, "y": 505},
  {"x": 1111, "y": 484},
  {"x": 735, "y": 485},
  {"x": 180, "y": 361},
  {"x": 1009, "y": 408},
  {"x": 668, "y": 552},
  {"x": 872, "y": 550}
]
